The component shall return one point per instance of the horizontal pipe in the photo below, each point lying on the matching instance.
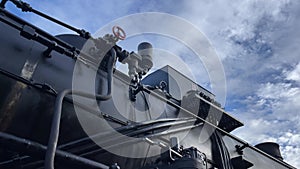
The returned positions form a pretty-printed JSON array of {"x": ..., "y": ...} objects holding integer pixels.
[{"x": 38, "y": 150}]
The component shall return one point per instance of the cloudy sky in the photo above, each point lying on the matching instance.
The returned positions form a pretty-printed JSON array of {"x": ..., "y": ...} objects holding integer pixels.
[{"x": 257, "y": 42}]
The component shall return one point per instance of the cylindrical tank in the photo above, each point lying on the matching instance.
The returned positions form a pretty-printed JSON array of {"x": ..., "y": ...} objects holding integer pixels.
[{"x": 27, "y": 111}]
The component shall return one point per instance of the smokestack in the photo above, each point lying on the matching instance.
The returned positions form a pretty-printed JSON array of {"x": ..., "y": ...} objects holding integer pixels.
[{"x": 270, "y": 148}]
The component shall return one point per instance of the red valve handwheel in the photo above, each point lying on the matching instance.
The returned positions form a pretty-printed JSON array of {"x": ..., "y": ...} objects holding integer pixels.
[{"x": 119, "y": 32}]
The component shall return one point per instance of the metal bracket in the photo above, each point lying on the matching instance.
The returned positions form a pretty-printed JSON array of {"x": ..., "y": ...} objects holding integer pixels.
[{"x": 239, "y": 149}]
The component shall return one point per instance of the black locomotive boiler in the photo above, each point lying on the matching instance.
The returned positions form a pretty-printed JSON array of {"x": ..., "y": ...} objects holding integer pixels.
[{"x": 65, "y": 105}]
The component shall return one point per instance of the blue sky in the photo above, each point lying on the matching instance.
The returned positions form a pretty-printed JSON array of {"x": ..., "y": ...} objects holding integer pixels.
[{"x": 257, "y": 42}]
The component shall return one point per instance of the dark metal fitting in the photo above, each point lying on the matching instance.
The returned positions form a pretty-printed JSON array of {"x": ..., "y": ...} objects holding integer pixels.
[
  {"x": 47, "y": 52},
  {"x": 28, "y": 32},
  {"x": 239, "y": 149},
  {"x": 22, "y": 5},
  {"x": 114, "y": 166}
]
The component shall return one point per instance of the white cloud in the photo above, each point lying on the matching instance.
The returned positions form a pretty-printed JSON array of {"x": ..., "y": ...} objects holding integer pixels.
[
  {"x": 294, "y": 74},
  {"x": 277, "y": 91},
  {"x": 273, "y": 115},
  {"x": 290, "y": 149},
  {"x": 291, "y": 153}
]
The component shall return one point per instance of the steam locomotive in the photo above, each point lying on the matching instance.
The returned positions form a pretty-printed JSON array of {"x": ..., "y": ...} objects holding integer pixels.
[{"x": 65, "y": 105}]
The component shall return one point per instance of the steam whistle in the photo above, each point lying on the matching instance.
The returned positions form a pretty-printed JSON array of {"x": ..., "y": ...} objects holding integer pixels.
[{"x": 138, "y": 65}]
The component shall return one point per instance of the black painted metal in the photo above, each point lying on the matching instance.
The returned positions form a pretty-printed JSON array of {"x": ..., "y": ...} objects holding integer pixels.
[
  {"x": 25, "y": 7},
  {"x": 240, "y": 163},
  {"x": 270, "y": 148},
  {"x": 18, "y": 23},
  {"x": 27, "y": 102},
  {"x": 37, "y": 150},
  {"x": 2, "y": 4},
  {"x": 54, "y": 133}
]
